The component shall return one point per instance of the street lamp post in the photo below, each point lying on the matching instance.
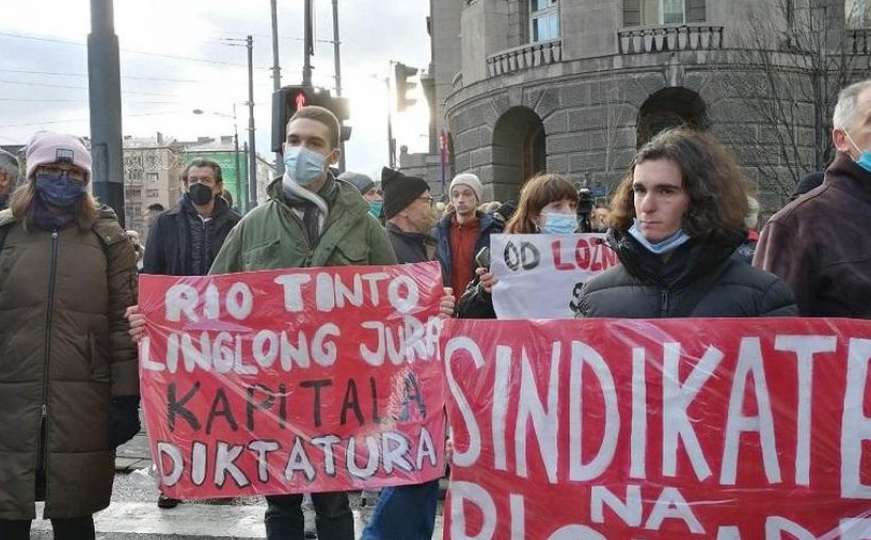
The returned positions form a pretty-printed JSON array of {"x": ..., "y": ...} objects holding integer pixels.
[{"x": 242, "y": 203}]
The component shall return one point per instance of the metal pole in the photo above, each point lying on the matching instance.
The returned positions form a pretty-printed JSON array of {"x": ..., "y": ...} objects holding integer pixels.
[
  {"x": 247, "y": 180},
  {"x": 239, "y": 201},
  {"x": 308, "y": 45},
  {"x": 276, "y": 73},
  {"x": 252, "y": 159},
  {"x": 391, "y": 144},
  {"x": 336, "y": 48},
  {"x": 337, "y": 57},
  {"x": 104, "y": 78}
]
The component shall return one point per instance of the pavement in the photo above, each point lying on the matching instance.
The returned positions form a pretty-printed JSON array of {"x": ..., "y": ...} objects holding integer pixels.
[{"x": 134, "y": 515}]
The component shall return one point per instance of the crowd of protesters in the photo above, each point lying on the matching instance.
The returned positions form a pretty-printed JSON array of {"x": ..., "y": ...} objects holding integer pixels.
[{"x": 681, "y": 222}]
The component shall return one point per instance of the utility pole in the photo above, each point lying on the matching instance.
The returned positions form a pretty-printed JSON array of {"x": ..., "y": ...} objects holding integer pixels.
[
  {"x": 238, "y": 170},
  {"x": 252, "y": 157},
  {"x": 338, "y": 63},
  {"x": 276, "y": 73},
  {"x": 391, "y": 142},
  {"x": 308, "y": 45},
  {"x": 247, "y": 191},
  {"x": 104, "y": 92}
]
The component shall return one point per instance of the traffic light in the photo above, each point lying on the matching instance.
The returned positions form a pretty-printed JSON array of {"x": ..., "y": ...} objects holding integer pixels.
[
  {"x": 403, "y": 86},
  {"x": 289, "y": 99}
]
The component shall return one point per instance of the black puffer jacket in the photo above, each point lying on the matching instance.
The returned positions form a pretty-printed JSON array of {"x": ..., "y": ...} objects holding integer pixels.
[
  {"x": 647, "y": 286},
  {"x": 182, "y": 244}
]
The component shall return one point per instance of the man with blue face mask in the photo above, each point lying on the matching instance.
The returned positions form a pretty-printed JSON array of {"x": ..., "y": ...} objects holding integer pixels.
[
  {"x": 370, "y": 191},
  {"x": 819, "y": 243},
  {"x": 310, "y": 219}
]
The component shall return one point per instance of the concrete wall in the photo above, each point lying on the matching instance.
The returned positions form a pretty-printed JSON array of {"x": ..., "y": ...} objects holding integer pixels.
[
  {"x": 484, "y": 31},
  {"x": 446, "y": 51},
  {"x": 429, "y": 168},
  {"x": 589, "y": 27}
]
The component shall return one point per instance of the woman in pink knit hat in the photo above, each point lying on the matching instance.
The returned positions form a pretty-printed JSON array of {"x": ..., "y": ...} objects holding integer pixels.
[{"x": 69, "y": 389}]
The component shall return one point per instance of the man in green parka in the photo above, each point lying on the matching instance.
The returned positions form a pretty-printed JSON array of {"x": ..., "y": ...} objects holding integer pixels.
[{"x": 310, "y": 219}]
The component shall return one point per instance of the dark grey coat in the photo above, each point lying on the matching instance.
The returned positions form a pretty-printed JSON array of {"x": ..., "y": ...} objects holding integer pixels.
[
  {"x": 411, "y": 247},
  {"x": 647, "y": 286}
]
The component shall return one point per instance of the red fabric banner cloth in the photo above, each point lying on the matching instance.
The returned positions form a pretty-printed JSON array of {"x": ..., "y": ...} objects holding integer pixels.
[
  {"x": 618, "y": 429},
  {"x": 301, "y": 380}
]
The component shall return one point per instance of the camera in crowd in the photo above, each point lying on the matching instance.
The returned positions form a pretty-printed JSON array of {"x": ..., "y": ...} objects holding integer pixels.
[{"x": 585, "y": 208}]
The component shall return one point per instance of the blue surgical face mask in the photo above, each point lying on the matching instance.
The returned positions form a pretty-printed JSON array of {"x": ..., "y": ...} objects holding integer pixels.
[
  {"x": 304, "y": 166},
  {"x": 667, "y": 245},
  {"x": 556, "y": 223},
  {"x": 59, "y": 189},
  {"x": 864, "y": 159},
  {"x": 375, "y": 208}
]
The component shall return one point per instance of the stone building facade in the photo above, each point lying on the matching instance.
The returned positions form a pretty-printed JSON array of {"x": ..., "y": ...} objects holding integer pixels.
[
  {"x": 152, "y": 174},
  {"x": 576, "y": 86}
]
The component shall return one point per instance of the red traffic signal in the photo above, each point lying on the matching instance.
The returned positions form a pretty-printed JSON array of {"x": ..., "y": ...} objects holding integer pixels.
[{"x": 286, "y": 101}]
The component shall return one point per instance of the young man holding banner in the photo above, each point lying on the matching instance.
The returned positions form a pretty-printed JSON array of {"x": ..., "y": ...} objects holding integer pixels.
[
  {"x": 311, "y": 219},
  {"x": 677, "y": 219}
]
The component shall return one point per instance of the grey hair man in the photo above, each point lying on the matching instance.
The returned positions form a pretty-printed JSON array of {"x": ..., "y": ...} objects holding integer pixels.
[
  {"x": 819, "y": 243},
  {"x": 9, "y": 173}
]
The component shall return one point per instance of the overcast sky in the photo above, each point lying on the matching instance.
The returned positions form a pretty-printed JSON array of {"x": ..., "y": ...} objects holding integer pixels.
[{"x": 173, "y": 60}]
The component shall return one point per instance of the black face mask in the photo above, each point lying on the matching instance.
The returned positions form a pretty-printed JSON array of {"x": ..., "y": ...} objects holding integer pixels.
[{"x": 200, "y": 194}]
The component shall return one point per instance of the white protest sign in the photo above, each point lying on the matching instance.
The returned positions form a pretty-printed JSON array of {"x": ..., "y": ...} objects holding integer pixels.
[{"x": 541, "y": 275}]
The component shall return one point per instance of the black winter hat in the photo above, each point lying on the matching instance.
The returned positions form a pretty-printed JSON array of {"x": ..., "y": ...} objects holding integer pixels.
[{"x": 400, "y": 190}]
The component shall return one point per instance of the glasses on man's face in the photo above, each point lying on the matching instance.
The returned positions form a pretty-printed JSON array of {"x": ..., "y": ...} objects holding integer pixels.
[{"x": 429, "y": 200}]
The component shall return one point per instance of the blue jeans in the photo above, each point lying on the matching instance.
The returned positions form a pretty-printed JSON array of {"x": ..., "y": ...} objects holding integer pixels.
[{"x": 404, "y": 513}]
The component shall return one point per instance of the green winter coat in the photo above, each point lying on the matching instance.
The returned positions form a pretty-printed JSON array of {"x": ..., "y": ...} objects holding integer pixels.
[
  {"x": 64, "y": 353},
  {"x": 271, "y": 237}
]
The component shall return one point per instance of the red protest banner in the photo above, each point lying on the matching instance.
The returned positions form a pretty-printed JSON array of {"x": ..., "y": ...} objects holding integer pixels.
[
  {"x": 302, "y": 380},
  {"x": 618, "y": 429}
]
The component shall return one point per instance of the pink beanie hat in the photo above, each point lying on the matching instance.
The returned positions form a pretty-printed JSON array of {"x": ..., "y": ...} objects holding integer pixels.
[{"x": 47, "y": 147}]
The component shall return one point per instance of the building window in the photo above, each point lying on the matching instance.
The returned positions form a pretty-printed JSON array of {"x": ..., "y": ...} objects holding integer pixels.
[
  {"x": 134, "y": 176},
  {"x": 153, "y": 178},
  {"x": 658, "y": 12},
  {"x": 544, "y": 20},
  {"x": 857, "y": 13},
  {"x": 672, "y": 12},
  {"x": 152, "y": 193}
]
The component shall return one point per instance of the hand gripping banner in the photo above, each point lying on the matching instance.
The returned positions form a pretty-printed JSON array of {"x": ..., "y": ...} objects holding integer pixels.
[
  {"x": 720, "y": 429},
  {"x": 302, "y": 380},
  {"x": 551, "y": 268}
]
